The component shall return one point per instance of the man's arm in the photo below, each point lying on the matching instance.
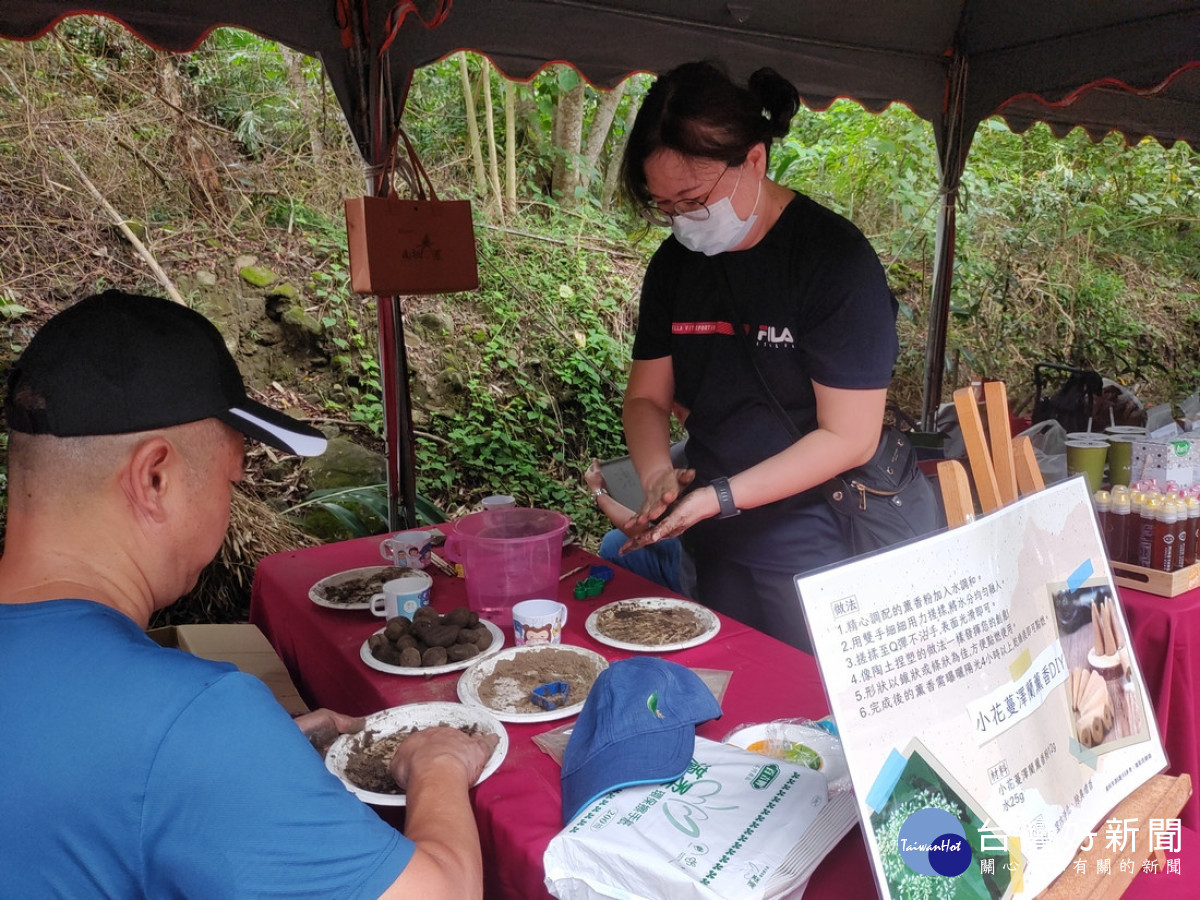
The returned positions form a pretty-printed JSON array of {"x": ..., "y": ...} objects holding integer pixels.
[{"x": 436, "y": 767}]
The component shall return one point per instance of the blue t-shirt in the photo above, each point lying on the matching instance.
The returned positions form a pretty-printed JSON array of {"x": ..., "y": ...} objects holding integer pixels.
[{"x": 131, "y": 769}]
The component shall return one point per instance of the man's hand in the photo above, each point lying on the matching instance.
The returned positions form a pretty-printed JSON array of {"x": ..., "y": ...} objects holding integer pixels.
[
  {"x": 432, "y": 745},
  {"x": 593, "y": 477},
  {"x": 323, "y": 726}
]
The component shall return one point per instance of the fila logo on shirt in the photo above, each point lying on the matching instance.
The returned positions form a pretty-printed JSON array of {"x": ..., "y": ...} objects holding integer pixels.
[
  {"x": 775, "y": 337},
  {"x": 769, "y": 336}
]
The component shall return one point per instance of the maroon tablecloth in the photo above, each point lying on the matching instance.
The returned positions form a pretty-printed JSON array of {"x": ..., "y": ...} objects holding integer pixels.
[
  {"x": 518, "y": 807},
  {"x": 1165, "y": 633}
]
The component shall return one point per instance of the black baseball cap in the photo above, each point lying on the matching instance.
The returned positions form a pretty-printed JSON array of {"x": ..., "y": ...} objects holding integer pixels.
[{"x": 118, "y": 363}]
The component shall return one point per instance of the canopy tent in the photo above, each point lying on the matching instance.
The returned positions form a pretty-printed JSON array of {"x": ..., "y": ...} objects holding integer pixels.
[{"x": 1131, "y": 66}]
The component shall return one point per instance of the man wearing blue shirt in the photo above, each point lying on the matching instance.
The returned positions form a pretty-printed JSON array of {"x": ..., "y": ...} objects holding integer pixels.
[{"x": 135, "y": 770}]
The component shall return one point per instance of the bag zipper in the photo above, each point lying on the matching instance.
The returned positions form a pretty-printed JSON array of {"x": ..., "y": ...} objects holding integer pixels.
[{"x": 863, "y": 490}]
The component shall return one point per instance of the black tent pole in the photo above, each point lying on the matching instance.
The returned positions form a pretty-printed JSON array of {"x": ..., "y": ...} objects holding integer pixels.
[
  {"x": 385, "y": 106},
  {"x": 953, "y": 144},
  {"x": 397, "y": 416},
  {"x": 939, "y": 309}
]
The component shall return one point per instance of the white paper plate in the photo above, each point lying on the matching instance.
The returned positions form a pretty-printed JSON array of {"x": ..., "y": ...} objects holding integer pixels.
[
  {"x": 316, "y": 593},
  {"x": 415, "y": 715},
  {"x": 708, "y": 620},
  {"x": 797, "y": 743},
  {"x": 365, "y": 654},
  {"x": 471, "y": 680}
]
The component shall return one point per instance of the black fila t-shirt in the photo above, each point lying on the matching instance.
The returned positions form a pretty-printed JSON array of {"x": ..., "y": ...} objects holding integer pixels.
[{"x": 818, "y": 308}]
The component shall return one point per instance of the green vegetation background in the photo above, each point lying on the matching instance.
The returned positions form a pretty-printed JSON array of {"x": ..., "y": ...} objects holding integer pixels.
[{"x": 1067, "y": 251}]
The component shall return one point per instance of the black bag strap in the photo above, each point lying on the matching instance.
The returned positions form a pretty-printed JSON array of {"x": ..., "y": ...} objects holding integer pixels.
[
  {"x": 743, "y": 333},
  {"x": 853, "y": 478}
]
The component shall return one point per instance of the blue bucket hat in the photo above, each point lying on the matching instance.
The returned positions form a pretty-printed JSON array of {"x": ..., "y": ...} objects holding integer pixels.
[{"x": 637, "y": 726}]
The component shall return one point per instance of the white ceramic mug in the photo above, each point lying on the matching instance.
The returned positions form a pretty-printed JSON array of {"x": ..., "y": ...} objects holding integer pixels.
[
  {"x": 407, "y": 548},
  {"x": 402, "y": 596},
  {"x": 539, "y": 622}
]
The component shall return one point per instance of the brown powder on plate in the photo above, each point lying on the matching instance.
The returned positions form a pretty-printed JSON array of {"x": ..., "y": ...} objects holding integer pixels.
[
  {"x": 359, "y": 588},
  {"x": 633, "y": 623},
  {"x": 371, "y": 752},
  {"x": 508, "y": 686}
]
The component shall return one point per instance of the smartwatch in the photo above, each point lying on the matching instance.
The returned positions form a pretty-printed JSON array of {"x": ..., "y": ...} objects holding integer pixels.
[{"x": 724, "y": 498}]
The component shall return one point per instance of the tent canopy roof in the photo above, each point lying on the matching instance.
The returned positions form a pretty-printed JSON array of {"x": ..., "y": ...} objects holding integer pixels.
[{"x": 1130, "y": 66}]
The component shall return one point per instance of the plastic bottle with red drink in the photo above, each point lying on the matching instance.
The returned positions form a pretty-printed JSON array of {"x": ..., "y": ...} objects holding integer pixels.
[{"x": 1118, "y": 520}]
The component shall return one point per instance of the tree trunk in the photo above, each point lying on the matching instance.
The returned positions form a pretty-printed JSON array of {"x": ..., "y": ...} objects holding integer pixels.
[
  {"x": 568, "y": 126},
  {"x": 295, "y": 75},
  {"x": 490, "y": 120},
  {"x": 612, "y": 172},
  {"x": 510, "y": 146},
  {"x": 199, "y": 163},
  {"x": 472, "y": 126},
  {"x": 598, "y": 131}
]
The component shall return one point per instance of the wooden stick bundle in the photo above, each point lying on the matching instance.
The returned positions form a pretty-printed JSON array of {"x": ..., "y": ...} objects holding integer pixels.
[
  {"x": 1091, "y": 704},
  {"x": 1104, "y": 629},
  {"x": 442, "y": 566}
]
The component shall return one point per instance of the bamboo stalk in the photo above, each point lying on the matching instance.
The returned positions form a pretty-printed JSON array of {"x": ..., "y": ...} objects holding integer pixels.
[{"x": 119, "y": 221}]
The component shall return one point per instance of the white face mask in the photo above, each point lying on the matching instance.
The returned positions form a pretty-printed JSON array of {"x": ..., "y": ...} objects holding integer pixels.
[{"x": 722, "y": 230}]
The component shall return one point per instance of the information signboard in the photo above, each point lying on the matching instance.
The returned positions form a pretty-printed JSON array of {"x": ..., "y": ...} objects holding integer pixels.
[{"x": 990, "y": 707}]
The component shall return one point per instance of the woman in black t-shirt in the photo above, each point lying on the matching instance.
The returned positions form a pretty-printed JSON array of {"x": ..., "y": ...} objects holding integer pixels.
[{"x": 754, "y": 277}]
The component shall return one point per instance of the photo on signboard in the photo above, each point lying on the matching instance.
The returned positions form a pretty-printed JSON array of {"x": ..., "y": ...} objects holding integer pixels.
[
  {"x": 915, "y": 830},
  {"x": 1106, "y": 704}
]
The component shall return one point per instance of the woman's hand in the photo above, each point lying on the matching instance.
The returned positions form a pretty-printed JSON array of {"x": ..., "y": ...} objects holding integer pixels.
[
  {"x": 661, "y": 490},
  {"x": 670, "y": 517}
]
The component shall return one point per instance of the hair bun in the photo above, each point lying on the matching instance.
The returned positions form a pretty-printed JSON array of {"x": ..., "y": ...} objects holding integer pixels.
[{"x": 779, "y": 98}]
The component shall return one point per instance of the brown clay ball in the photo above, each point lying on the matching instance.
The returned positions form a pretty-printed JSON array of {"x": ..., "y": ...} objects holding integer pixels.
[
  {"x": 460, "y": 652},
  {"x": 434, "y": 656},
  {"x": 396, "y": 628},
  {"x": 389, "y": 655},
  {"x": 425, "y": 614},
  {"x": 410, "y": 658}
]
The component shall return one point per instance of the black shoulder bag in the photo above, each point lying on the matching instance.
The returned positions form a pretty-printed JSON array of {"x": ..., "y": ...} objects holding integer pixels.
[{"x": 885, "y": 501}]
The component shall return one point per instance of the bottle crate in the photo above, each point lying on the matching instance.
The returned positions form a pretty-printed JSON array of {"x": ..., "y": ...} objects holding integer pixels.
[{"x": 1153, "y": 581}]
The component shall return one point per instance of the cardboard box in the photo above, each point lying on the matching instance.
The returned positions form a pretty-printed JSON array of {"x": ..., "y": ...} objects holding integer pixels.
[
  {"x": 1165, "y": 460},
  {"x": 244, "y": 646}
]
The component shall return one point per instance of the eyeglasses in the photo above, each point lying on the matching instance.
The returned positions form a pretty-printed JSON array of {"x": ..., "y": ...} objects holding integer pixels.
[{"x": 693, "y": 208}]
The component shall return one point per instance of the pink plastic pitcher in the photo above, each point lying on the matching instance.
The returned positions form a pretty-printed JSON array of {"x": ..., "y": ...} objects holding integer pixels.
[{"x": 508, "y": 555}]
